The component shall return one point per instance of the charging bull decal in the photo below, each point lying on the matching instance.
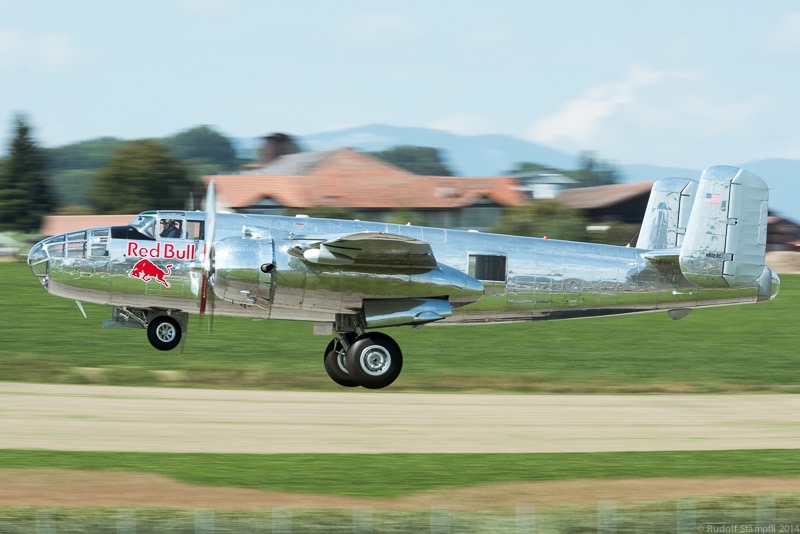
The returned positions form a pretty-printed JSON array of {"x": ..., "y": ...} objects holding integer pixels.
[{"x": 146, "y": 270}]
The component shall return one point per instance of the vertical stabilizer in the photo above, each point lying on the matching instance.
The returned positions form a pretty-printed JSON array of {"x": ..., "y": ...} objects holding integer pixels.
[
  {"x": 667, "y": 214},
  {"x": 726, "y": 237}
]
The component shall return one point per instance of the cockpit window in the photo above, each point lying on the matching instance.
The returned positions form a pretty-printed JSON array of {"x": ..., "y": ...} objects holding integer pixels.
[{"x": 145, "y": 224}]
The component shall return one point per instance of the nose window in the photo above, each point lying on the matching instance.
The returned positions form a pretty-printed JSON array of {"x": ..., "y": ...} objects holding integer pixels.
[
  {"x": 76, "y": 245},
  {"x": 99, "y": 246}
]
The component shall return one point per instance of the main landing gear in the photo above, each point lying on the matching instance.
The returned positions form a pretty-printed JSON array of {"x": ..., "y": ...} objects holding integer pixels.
[{"x": 372, "y": 360}]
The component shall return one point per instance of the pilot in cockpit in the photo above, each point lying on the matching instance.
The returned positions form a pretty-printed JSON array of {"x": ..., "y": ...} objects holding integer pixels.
[{"x": 170, "y": 228}]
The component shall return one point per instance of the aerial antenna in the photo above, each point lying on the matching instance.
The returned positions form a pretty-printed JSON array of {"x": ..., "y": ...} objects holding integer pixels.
[{"x": 634, "y": 237}]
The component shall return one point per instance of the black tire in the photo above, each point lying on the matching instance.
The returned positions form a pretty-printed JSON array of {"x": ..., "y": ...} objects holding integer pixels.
[
  {"x": 164, "y": 333},
  {"x": 335, "y": 364},
  {"x": 374, "y": 360}
]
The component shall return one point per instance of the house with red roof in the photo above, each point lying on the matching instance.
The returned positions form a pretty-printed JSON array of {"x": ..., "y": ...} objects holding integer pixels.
[{"x": 368, "y": 188}]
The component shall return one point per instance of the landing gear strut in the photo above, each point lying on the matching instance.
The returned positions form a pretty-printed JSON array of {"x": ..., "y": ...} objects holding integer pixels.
[
  {"x": 372, "y": 360},
  {"x": 335, "y": 363}
]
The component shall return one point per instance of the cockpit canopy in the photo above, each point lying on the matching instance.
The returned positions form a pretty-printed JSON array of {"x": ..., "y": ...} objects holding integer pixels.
[{"x": 169, "y": 225}]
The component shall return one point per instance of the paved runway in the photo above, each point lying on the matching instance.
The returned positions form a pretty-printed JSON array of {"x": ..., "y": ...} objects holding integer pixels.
[{"x": 103, "y": 418}]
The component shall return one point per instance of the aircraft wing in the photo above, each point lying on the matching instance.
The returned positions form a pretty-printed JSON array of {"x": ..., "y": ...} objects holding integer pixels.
[{"x": 373, "y": 249}]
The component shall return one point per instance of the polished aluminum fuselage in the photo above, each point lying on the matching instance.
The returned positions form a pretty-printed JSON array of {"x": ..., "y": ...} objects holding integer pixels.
[{"x": 523, "y": 278}]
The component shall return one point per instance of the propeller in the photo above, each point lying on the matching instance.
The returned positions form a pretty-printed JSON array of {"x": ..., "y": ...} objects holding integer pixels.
[{"x": 208, "y": 252}]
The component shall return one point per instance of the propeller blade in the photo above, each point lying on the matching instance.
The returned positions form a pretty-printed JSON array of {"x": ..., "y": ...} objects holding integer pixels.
[{"x": 211, "y": 221}]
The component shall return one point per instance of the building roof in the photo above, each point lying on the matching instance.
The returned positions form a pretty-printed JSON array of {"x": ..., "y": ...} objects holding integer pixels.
[
  {"x": 602, "y": 196},
  {"x": 349, "y": 179},
  {"x": 342, "y": 160},
  {"x": 61, "y": 224}
]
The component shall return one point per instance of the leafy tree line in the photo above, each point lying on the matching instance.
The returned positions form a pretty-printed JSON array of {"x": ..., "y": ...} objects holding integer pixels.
[
  {"x": 591, "y": 171},
  {"x": 110, "y": 175},
  {"x": 105, "y": 175},
  {"x": 75, "y": 168},
  {"x": 421, "y": 160}
]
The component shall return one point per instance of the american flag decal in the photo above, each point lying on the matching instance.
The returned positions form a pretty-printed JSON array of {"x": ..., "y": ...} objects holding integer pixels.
[{"x": 712, "y": 198}]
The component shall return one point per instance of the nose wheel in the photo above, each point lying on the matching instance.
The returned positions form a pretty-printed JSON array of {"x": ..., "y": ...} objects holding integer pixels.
[{"x": 164, "y": 332}]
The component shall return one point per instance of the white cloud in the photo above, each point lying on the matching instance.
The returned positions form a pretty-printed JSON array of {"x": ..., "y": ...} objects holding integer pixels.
[
  {"x": 56, "y": 51},
  {"x": 380, "y": 27},
  {"x": 12, "y": 45},
  {"x": 785, "y": 37},
  {"x": 668, "y": 118},
  {"x": 52, "y": 51},
  {"x": 581, "y": 119}
]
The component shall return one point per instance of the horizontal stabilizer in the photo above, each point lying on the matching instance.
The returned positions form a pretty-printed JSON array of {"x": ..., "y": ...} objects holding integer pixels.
[
  {"x": 726, "y": 237},
  {"x": 669, "y": 256}
]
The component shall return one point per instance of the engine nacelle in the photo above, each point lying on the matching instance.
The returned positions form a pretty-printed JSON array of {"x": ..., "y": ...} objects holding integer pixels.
[{"x": 238, "y": 275}]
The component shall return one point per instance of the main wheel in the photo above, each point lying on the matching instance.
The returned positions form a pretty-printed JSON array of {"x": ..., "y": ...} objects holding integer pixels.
[
  {"x": 164, "y": 332},
  {"x": 335, "y": 364},
  {"x": 374, "y": 360}
]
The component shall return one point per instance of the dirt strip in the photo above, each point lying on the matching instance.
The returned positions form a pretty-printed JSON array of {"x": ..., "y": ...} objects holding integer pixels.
[
  {"x": 101, "y": 489},
  {"x": 104, "y": 418}
]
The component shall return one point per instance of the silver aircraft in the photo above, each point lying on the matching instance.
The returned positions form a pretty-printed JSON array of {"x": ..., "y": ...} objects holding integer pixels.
[{"x": 701, "y": 244}]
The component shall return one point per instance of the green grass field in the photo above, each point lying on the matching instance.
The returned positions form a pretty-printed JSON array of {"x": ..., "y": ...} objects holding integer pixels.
[
  {"x": 729, "y": 349},
  {"x": 733, "y": 349}
]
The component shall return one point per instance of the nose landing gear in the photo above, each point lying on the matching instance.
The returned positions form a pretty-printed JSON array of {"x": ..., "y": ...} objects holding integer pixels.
[{"x": 164, "y": 332}]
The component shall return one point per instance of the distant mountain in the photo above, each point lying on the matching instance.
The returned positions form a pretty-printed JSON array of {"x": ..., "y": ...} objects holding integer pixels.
[
  {"x": 636, "y": 172},
  {"x": 783, "y": 178},
  {"x": 475, "y": 155},
  {"x": 492, "y": 155}
]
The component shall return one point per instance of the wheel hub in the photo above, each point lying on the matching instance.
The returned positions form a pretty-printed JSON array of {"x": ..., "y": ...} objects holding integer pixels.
[
  {"x": 376, "y": 360},
  {"x": 165, "y": 332}
]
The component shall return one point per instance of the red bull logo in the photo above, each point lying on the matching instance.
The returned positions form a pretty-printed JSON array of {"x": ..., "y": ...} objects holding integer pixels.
[
  {"x": 146, "y": 270},
  {"x": 167, "y": 251}
]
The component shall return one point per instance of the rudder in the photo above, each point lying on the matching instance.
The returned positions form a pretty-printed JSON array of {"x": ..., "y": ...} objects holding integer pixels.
[{"x": 726, "y": 238}]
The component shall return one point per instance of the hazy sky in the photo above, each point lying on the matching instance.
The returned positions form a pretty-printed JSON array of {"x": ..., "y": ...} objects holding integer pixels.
[{"x": 682, "y": 83}]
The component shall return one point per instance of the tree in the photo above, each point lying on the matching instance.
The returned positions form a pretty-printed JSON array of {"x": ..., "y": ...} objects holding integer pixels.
[
  {"x": 24, "y": 192},
  {"x": 141, "y": 175},
  {"x": 530, "y": 167},
  {"x": 593, "y": 171},
  {"x": 542, "y": 218},
  {"x": 417, "y": 159},
  {"x": 203, "y": 145},
  {"x": 83, "y": 155}
]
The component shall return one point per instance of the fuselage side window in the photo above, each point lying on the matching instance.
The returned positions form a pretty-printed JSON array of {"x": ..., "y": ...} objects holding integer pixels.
[
  {"x": 194, "y": 230},
  {"x": 487, "y": 267}
]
